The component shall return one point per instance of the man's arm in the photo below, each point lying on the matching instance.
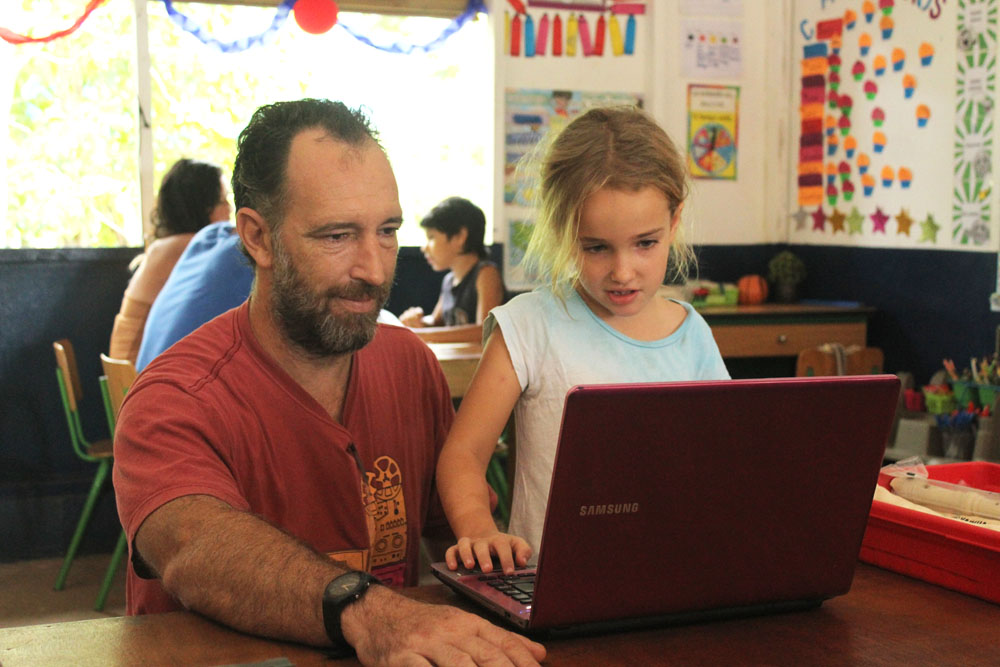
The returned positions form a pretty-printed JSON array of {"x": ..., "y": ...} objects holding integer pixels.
[
  {"x": 240, "y": 570},
  {"x": 237, "y": 568}
]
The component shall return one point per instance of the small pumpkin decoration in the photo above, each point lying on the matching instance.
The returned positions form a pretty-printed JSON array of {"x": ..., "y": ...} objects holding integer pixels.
[{"x": 753, "y": 290}]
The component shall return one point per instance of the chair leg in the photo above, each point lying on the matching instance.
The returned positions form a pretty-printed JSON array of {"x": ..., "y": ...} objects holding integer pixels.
[
  {"x": 109, "y": 576},
  {"x": 81, "y": 525}
]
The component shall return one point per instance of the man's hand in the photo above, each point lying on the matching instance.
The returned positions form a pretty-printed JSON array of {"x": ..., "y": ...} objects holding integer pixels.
[
  {"x": 509, "y": 550},
  {"x": 387, "y": 629}
]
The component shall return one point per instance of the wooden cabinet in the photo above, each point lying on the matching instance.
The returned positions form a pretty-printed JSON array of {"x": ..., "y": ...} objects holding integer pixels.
[{"x": 779, "y": 330}]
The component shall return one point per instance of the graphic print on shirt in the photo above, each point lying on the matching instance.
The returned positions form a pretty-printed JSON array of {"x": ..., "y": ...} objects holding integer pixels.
[{"x": 385, "y": 511}]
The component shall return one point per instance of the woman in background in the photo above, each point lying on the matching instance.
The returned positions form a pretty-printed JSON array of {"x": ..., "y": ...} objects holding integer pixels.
[{"x": 191, "y": 196}]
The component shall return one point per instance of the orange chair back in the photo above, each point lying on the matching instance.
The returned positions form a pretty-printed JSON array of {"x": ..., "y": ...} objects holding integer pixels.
[
  {"x": 120, "y": 374},
  {"x": 66, "y": 361}
]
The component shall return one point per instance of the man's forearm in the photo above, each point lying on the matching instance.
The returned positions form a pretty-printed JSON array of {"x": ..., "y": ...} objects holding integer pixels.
[{"x": 238, "y": 569}]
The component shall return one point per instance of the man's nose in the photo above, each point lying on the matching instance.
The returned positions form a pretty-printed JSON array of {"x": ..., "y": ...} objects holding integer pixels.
[{"x": 368, "y": 262}]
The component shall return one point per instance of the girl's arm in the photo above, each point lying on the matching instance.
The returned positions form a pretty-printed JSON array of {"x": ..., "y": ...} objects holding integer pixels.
[
  {"x": 436, "y": 318},
  {"x": 461, "y": 468},
  {"x": 489, "y": 292}
]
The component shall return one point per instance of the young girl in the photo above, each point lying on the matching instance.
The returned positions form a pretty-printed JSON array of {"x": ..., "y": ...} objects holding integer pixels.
[
  {"x": 611, "y": 193},
  {"x": 471, "y": 288}
]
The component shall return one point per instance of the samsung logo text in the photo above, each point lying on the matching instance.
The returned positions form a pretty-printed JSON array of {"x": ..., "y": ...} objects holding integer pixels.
[{"x": 601, "y": 510}]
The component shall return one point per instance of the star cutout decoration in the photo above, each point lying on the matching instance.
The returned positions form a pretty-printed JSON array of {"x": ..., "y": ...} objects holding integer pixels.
[
  {"x": 837, "y": 221},
  {"x": 879, "y": 219},
  {"x": 929, "y": 229},
  {"x": 819, "y": 219},
  {"x": 800, "y": 218},
  {"x": 854, "y": 221},
  {"x": 904, "y": 222}
]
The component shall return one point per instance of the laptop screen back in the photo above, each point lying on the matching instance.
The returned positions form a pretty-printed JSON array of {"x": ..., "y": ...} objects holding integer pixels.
[{"x": 679, "y": 497}]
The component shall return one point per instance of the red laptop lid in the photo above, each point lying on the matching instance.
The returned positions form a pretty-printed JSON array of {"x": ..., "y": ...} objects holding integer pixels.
[{"x": 683, "y": 497}]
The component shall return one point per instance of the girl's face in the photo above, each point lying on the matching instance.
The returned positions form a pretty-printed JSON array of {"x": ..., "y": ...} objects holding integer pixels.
[
  {"x": 222, "y": 208},
  {"x": 440, "y": 251},
  {"x": 624, "y": 239}
]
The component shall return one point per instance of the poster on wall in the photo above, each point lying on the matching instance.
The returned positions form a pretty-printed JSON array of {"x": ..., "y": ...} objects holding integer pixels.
[
  {"x": 712, "y": 131},
  {"x": 711, "y": 7},
  {"x": 530, "y": 116},
  {"x": 893, "y": 126},
  {"x": 711, "y": 49}
]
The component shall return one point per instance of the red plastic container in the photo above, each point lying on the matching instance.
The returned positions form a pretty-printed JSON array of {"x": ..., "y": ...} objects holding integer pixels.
[{"x": 946, "y": 552}]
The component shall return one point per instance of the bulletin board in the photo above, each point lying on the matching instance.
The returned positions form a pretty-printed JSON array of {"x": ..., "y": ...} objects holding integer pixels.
[
  {"x": 892, "y": 126},
  {"x": 530, "y": 115}
]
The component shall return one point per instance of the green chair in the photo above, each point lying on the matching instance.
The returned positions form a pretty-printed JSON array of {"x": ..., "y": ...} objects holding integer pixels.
[
  {"x": 118, "y": 377},
  {"x": 99, "y": 451}
]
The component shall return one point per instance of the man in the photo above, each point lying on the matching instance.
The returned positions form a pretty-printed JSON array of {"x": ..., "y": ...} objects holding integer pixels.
[
  {"x": 211, "y": 276},
  {"x": 270, "y": 458}
]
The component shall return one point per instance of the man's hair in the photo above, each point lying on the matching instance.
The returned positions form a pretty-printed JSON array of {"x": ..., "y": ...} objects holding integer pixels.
[
  {"x": 260, "y": 169},
  {"x": 452, "y": 215},
  {"x": 190, "y": 190}
]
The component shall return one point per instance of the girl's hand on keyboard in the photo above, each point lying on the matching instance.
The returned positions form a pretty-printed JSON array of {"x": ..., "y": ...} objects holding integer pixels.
[{"x": 498, "y": 550}]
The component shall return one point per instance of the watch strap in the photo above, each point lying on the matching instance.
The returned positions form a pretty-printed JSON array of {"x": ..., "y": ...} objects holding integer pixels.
[{"x": 343, "y": 591}]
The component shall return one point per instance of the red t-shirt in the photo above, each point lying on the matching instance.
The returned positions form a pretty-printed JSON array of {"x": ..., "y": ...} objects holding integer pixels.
[{"x": 214, "y": 415}]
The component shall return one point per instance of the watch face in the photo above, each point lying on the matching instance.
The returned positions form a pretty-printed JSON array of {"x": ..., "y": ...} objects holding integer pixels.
[{"x": 347, "y": 583}]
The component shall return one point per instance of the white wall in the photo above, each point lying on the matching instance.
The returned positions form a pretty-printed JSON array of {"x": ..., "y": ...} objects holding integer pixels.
[{"x": 745, "y": 211}]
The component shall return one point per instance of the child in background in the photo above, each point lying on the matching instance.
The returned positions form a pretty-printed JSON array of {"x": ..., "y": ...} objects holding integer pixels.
[
  {"x": 471, "y": 288},
  {"x": 611, "y": 192}
]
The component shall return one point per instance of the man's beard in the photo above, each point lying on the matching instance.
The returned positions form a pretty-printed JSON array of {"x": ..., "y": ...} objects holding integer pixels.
[{"x": 305, "y": 316}]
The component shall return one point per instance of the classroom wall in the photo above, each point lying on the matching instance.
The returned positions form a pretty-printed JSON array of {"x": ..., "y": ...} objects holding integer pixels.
[
  {"x": 655, "y": 72},
  {"x": 929, "y": 304}
]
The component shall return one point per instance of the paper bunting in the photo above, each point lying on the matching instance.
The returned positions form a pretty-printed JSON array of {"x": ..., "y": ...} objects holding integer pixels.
[
  {"x": 317, "y": 19},
  {"x": 574, "y": 31},
  {"x": 15, "y": 38}
]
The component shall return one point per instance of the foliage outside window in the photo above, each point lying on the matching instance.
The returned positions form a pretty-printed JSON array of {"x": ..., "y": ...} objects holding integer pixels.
[
  {"x": 69, "y": 160},
  {"x": 71, "y": 154}
]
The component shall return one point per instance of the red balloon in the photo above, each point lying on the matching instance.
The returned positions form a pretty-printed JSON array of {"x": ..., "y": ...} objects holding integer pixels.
[{"x": 315, "y": 16}]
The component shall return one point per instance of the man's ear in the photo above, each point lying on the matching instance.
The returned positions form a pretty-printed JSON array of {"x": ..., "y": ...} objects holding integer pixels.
[{"x": 255, "y": 234}]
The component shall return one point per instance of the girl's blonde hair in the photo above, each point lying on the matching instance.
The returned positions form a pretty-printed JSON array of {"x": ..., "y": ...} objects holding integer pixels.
[{"x": 614, "y": 147}]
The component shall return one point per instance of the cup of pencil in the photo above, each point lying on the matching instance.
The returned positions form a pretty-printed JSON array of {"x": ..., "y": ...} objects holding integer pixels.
[{"x": 958, "y": 434}]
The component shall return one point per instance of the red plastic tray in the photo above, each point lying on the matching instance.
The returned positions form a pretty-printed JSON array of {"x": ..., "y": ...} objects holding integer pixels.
[{"x": 946, "y": 552}]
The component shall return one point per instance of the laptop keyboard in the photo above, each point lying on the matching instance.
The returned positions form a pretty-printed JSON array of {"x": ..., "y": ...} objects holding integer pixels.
[{"x": 521, "y": 587}]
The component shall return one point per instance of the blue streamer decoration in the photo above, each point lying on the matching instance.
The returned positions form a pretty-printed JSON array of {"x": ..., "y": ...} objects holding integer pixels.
[
  {"x": 471, "y": 9},
  {"x": 189, "y": 25}
]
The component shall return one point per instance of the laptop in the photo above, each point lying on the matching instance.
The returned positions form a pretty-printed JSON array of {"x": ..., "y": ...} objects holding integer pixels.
[{"x": 689, "y": 501}]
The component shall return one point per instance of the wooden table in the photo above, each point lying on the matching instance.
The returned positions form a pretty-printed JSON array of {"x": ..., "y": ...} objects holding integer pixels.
[
  {"x": 886, "y": 619},
  {"x": 459, "y": 361},
  {"x": 780, "y": 330},
  {"x": 767, "y": 330}
]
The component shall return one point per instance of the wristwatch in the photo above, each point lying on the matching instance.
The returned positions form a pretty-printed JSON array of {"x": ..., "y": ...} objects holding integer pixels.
[{"x": 340, "y": 593}]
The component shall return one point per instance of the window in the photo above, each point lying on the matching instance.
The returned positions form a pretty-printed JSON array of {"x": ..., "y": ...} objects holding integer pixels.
[
  {"x": 433, "y": 110},
  {"x": 69, "y": 163}
]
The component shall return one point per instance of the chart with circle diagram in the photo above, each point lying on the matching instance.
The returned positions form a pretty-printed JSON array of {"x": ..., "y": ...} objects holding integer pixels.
[{"x": 712, "y": 131}]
